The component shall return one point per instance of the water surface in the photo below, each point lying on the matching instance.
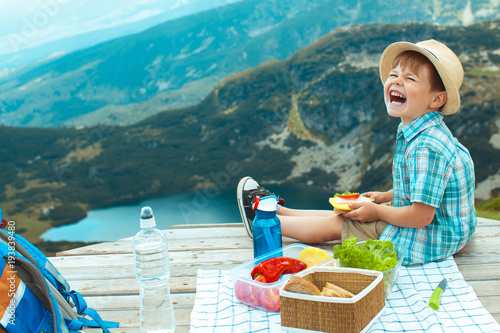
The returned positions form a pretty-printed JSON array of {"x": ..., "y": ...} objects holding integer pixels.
[{"x": 197, "y": 207}]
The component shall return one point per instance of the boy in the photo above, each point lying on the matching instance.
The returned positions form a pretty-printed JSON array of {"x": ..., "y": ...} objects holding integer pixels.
[{"x": 433, "y": 214}]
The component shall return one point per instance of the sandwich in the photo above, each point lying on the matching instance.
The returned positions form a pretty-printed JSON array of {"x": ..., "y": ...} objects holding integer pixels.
[{"x": 340, "y": 202}]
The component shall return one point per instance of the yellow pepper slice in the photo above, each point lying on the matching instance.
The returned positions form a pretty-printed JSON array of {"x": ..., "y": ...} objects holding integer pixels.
[{"x": 312, "y": 256}]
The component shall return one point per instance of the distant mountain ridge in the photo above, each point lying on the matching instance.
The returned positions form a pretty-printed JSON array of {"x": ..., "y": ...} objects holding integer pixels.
[
  {"x": 316, "y": 118},
  {"x": 51, "y": 49},
  {"x": 176, "y": 64}
]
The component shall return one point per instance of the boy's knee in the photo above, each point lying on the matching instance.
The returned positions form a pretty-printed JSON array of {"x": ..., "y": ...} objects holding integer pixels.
[{"x": 332, "y": 230}]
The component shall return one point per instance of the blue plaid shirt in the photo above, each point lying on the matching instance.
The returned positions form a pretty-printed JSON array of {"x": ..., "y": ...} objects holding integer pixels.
[{"x": 430, "y": 166}]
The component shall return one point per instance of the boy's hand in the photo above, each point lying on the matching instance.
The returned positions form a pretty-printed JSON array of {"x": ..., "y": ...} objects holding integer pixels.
[
  {"x": 363, "y": 212},
  {"x": 379, "y": 197}
]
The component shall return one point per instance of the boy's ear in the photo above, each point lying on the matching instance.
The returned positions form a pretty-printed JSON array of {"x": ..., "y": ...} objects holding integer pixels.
[{"x": 438, "y": 100}]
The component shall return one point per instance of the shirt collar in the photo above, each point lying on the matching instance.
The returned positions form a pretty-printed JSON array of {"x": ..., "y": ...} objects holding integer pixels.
[{"x": 418, "y": 125}]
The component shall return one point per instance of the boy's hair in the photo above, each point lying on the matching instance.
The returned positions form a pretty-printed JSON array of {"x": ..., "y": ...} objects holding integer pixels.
[{"x": 414, "y": 61}]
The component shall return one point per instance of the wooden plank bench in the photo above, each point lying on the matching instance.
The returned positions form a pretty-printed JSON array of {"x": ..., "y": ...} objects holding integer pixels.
[{"x": 104, "y": 273}]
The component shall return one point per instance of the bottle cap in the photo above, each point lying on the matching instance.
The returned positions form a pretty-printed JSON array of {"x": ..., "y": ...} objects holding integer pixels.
[
  {"x": 267, "y": 204},
  {"x": 147, "y": 217},
  {"x": 256, "y": 203}
]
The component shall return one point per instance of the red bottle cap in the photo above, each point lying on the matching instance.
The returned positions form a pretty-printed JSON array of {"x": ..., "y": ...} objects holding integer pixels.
[{"x": 256, "y": 203}]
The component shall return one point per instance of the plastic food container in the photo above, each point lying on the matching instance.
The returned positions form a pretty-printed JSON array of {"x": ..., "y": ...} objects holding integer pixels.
[
  {"x": 263, "y": 296},
  {"x": 391, "y": 275}
]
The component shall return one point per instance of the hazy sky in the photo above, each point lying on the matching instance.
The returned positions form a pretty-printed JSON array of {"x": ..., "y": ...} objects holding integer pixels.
[{"x": 27, "y": 23}]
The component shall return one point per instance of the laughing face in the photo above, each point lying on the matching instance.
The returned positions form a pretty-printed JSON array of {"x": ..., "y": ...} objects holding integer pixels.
[{"x": 408, "y": 95}]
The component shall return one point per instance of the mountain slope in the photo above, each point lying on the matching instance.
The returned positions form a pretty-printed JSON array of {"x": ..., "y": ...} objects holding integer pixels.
[
  {"x": 316, "y": 118},
  {"x": 177, "y": 63}
]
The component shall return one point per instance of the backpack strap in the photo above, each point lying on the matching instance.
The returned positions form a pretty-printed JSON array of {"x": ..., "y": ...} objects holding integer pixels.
[
  {"x": 97, "y": 321},
  {"x": 61, "y": 281},
  {"x": 26, "y": 249},
  {"x": 76, "y": 325},
  {"x": 82, "y": 309},
  {"x": 65, "y": 308},
  {"x": 35, "y": 281}
]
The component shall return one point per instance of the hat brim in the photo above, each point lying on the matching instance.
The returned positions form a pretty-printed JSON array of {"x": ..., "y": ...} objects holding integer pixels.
[{"x": 392, "y": 51}]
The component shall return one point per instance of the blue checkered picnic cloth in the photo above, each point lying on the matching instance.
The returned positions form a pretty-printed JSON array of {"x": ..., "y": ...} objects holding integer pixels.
[{"x": 216, "y": 308}]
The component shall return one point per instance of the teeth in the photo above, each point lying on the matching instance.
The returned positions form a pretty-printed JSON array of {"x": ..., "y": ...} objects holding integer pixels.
[
  {"x": 400, "y": 98},
  {"x": 396, "y": 94}
]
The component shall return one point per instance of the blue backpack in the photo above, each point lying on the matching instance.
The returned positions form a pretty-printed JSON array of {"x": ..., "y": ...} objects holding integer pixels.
[{"x": 35, "y": 297}]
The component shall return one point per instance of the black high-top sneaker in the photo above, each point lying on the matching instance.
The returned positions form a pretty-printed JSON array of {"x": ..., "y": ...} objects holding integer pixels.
[{"x": 246, "y": 192}]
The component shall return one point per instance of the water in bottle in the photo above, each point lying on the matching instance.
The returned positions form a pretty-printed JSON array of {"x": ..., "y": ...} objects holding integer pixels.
[
  {"x": 266, "y": 226},
  {"x": 153, "y": 272}
]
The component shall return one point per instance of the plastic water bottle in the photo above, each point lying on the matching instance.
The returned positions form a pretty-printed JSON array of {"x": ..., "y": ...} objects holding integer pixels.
[
  {"x": 266, "y": 226},
  {"x": 152, "y": 273}
]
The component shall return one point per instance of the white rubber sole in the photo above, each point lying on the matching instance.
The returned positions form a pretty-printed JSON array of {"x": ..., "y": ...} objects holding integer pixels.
[{"x": 245, "y": 184}]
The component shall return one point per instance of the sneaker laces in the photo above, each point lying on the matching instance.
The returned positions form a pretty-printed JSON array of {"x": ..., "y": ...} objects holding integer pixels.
[{"x": 262, "y": 192}]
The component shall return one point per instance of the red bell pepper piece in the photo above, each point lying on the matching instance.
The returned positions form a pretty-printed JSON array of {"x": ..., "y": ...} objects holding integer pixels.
[{"x": 273, "y": 268}]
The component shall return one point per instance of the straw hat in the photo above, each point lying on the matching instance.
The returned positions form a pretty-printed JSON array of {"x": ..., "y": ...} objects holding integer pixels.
[{"x": 446, "y": 62}]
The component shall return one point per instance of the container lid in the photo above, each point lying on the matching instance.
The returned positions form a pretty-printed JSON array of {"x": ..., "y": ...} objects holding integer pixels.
[
  {"x": 147, "y": 217},
  {"x": 267, "y": 204}
]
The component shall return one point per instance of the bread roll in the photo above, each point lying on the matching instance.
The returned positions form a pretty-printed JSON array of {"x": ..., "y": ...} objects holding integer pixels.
[
  {"x": 329, "y": 292},
  {"x": 336, "y": 291},
  {"x": 299, "y": 285}
]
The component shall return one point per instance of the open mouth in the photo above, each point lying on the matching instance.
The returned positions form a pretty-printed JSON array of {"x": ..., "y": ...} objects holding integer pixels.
[{"x": 397, "y": 98}]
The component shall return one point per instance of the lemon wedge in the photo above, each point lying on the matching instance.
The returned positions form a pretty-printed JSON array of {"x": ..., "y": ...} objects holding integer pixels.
[{"x": 312, "y": 256}]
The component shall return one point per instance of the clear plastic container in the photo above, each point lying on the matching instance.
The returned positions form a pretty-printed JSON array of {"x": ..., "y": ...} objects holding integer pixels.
[
  {"x": 391, "y": 275},
  {"x": 263, "y": 296}
]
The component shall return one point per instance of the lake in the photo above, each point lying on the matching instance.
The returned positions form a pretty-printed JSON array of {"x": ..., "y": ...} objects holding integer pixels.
[{"x": 197, "y": 207}]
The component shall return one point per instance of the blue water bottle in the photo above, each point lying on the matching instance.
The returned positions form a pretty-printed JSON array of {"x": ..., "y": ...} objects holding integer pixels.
[{"x": 266, "y": 226}]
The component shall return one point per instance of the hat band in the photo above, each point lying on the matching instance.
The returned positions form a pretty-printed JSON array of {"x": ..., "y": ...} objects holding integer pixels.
[{"x": 430, "y": 53}]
